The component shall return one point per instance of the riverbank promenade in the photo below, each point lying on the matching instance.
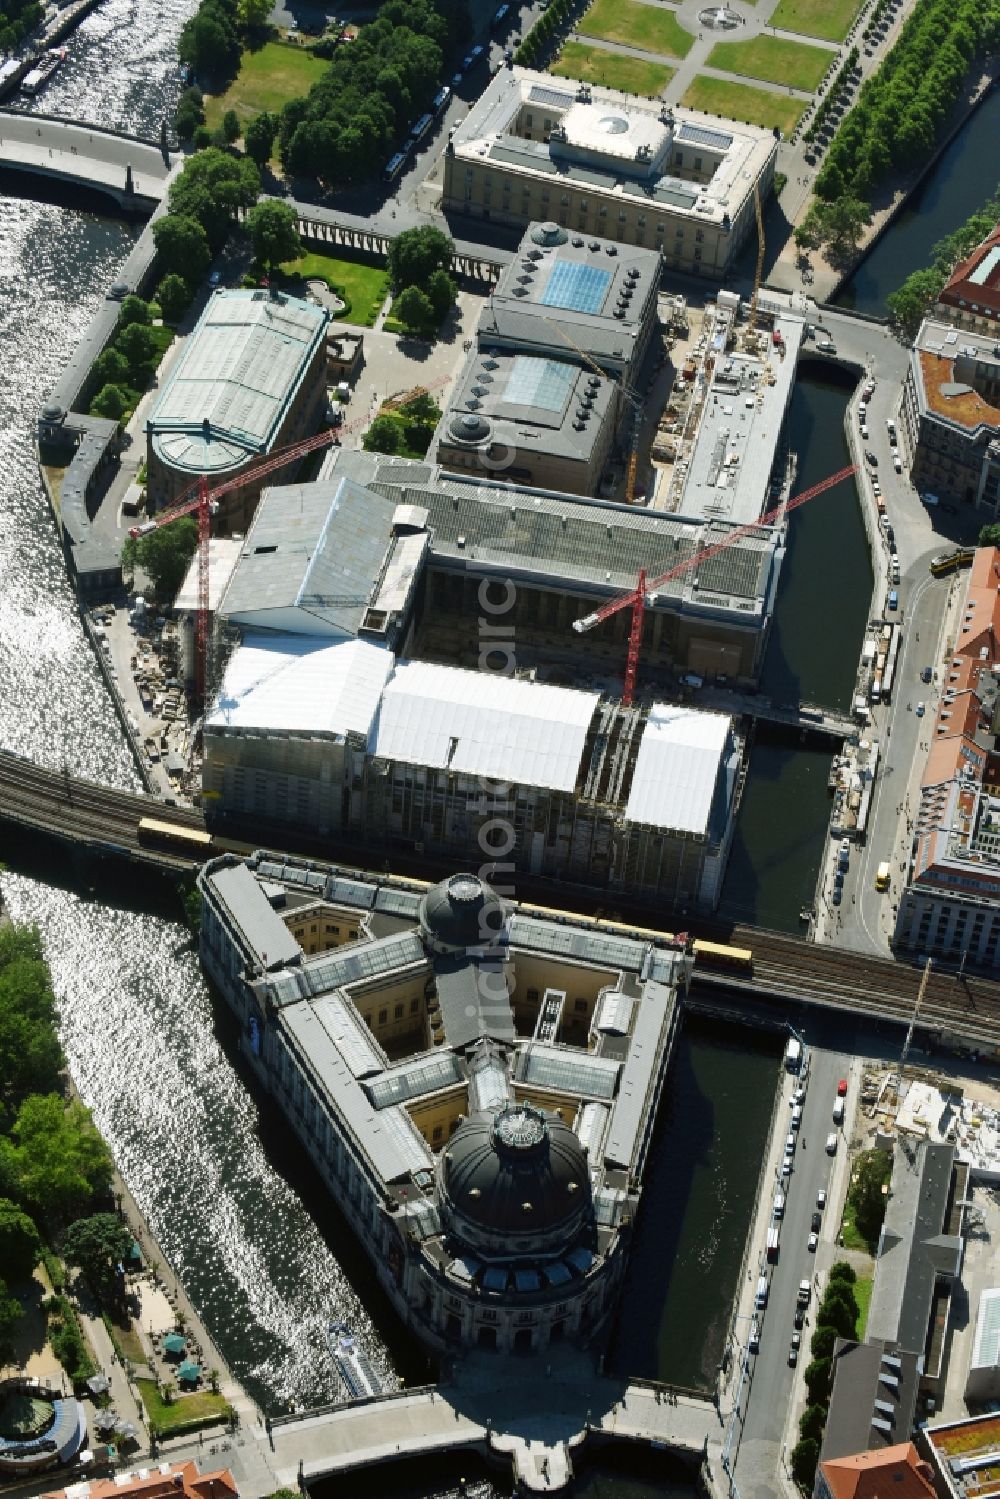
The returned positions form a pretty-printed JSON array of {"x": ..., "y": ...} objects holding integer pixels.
[
  {"x": 533, "y": 1414},
  {"x": 133, "y": 172}
]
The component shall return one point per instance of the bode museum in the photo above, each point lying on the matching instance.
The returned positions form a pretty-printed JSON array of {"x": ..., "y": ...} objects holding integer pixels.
[{"x": 475, "y": 1079}]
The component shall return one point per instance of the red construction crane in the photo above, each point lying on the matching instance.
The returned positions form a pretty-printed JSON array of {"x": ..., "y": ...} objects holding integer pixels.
[
  {"x": 635, "y": 599},
  {"x": 205, "y": 501}
]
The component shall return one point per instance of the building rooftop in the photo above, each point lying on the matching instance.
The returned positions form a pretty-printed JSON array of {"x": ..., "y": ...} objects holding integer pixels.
[
  {"x": 225, "y": 397},
  {"x": 893, "y": 1471},
  {"x": 914, "y": 1248},
  {"x": 974, "y": 284},
  {"x": 873, "y": 1398},
  {"x": 223, "y": 555},
  {"x": 966, "y": 1453},
  {"x": 301, "y": 684},
  {"x": 166, "y": 1481},
  {"x": 952, "y": 363},
  {"x": 616, "y": 143},
  {"x": 728, "y": 473},
  {"x": 676, "y": 776}
]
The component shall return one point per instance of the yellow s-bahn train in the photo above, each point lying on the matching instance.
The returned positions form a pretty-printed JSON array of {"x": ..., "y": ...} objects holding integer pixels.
[
  {"x": 716, "y": 955},
  {"x": 175, "y": 835}
]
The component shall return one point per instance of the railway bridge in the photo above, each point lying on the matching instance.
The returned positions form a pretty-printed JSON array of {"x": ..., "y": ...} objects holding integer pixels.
[{"x": 959, "y": 1011}]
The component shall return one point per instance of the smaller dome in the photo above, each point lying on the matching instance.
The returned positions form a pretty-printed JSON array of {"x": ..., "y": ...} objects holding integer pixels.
[
  {"x": 613, "y": 124},
  {"x": 52, "y": 411},
  {"x": 119, "y": 290},
  {"x": 461, "y": 913},
  {"x": 549, "y": 234},
  {"x": 467, "y": 426}
]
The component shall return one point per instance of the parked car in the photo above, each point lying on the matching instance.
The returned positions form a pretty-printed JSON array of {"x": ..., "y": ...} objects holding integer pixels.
[
  {"x": 811, "y": 1243},
  {"x": 793, "y": 1355},
  {"x": 864, "y": 431},
  {"x": 831, "y": 1144},
  {"x": 897, "y": 462},
  {"x": 870, "y": 456},
  {"x": 826, "y": 346},
  {"x": 926, "y": 674},
  {"x": 816, "y": 1222},
  {"x": 920, "y": 710},
  {"x": 821, "y": 1198},
  {"x": 842, "y": 1088},
  {"x": 799, "y": 1095},
  {"x": 838, "y": 894}
]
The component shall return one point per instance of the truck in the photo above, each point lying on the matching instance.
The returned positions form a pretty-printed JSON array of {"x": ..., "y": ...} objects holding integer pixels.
[
  {"x": 882, "y": 875},
  {"x": 793, "y": 1055},
  {"x": 773, "y": 1246},
  {"x": 805, "y": 1292}
]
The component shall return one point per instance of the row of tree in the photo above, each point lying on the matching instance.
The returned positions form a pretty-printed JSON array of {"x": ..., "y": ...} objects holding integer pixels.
[
  {"x": 908, "y": 304},
  {"x": 362, "y": 108},
  {"x": 547, "y": 29},
  {"x": 836, "y": 1317},
  {"x": 840, "y": 86},
  {"x": 903, "y": 105},
  {"x": 54, "y": 1166}
]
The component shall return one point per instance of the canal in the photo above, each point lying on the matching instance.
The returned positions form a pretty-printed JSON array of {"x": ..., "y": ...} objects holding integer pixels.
[{"x": 953, "y": 190}]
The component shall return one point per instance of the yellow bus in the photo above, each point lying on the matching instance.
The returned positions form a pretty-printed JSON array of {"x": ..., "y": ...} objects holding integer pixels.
[
  {"x": 948, "y": 562},
  {"x": 882, "y": 876}
]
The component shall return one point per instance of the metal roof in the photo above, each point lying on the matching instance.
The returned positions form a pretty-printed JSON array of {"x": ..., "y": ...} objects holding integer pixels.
[
  {"x": 638, "y": 1075},
  {"x": 353, "y": 1039},
  {"x": 569, "y": 1069},
  {"x": 301, "y": 684},
  {"x": 474, "y": 1001},
  {"x": 986, "y": 1347},
  {"x": 483, "y": 724},
  {"x": 414, "y": 1077},
  {"x": 312, "y": 558},
  {"x": 913, "y": 1249},
  {"x": 565, "y": 940},
  {"x": 388, "y": 1137},
  {"x": 227, "y": 394},
  {"x": 250, "y": 911},
  {"x": 678, "y": 768}
]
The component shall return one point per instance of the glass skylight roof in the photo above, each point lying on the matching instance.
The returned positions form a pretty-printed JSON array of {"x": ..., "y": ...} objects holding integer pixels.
[
  {"x": 543, "y": 383},
  {"x": 578, "y": 287}
]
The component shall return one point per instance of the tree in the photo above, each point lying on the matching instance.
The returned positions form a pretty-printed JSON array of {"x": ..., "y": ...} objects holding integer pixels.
[
  {"x": 414, "y": 310},
  {"x": 384, "y": 436},
  {"x": 20, "y": 1245},
  {"x": 110, "y": 368},
  {"x": 190, "y": 113},
  {"x": 273, "y": 231},
  {"x": 11, "y": 1312},
  {"x": 138, "y": 346},
  {"x": 910, "y": 301},
  {"x": 812, "y": 1422},
  {"x": 442, "y": 291},
  {"x": 839, "y": 1310},
  {"x": 208, "y": 42},
  {"x": 111, "y": 402},
  {"x": 822, "y": 1341},
  {"x": 182, "y": 245},
  {"x": 30, "y": 1054},
  {"x": 872, "y": 1171},
  {"x": 97, "y": 1244},
  {"x": 55, "y": 1156},
  {"x": 989, "y": 536},
  {"x": 231, "y": 126},
  {"x": 259, "y": 136},
  {"x": 841, "y": 1270},
  {"x": 805, "y": 1456},
  {"x": 174, "y": 297},
  {"x": 253, "y": 14},
  {"x": 416, "y": 254},
  {"x": 818, "y": 1377},
  {"x": 164, "y": 555},
  {"x": 134, "y": 310},
  {"x": 212, "y": 188}
]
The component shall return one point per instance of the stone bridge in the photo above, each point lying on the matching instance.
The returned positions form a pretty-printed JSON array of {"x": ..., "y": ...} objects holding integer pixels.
[{"x": 134, "y": 172}]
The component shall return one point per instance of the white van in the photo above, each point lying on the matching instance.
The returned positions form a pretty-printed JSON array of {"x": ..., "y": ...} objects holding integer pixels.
[
  {"x": 760, "y": 1300},
  {"x": 754, "y": 1345},
  {"x": 796, "y": 1116},
  {"x": 779, "y": 1204},
  {"x": 831, "y": 1144},
  {"x": 838, "y": 1111}
]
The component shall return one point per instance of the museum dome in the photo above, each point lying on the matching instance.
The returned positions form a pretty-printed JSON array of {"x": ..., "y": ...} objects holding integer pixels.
[
  {"x": 459, "y": 914},
  {"x": 517, "y": 1175},
  {"x": 549, "y": 234}
]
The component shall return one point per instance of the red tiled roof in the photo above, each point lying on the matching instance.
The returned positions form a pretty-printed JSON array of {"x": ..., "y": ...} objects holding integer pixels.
[
  {"x": 889, "y": 1473},
  {"x": 960, "y": 289},
  {"x": 180, "y": 1481}
]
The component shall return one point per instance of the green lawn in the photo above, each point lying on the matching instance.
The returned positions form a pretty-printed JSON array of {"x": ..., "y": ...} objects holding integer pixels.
[
  {"x": 637, "y": 25},
  {"x": 267, "y": 79},
  {"x": 773, "y": 59},
  {"x": 738, "y": 101},
  {"x": 863, "y": 1296},
  {"x": 609, "y": 69},
  {"x": 364, "y": 287},
  {"x": 829, "y": 19},
  {"x": 202, "y": 1408}
]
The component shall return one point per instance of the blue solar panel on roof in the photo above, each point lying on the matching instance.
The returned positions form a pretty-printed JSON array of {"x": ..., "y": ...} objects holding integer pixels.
[
  {"x": 544, "y": 383},
  {"x": 700, "y": 135},
  {"x": 578, "y": 287}
]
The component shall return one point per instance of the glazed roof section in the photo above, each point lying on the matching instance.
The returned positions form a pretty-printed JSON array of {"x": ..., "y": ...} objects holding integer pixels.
[
  {"x": 238, "y": 372},
  {"x": 298, "y": 684},
  {"x": 595, "y": 119},
  {"x": 975, "y": 282}
]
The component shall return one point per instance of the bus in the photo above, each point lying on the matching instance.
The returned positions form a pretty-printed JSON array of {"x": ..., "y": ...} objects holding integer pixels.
[
  {"x": 394, "y": 166},
  {"x": 185, "y": 839},
  {"x": 421, "y": 127},
  {"x": 882, "y": 876}
]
